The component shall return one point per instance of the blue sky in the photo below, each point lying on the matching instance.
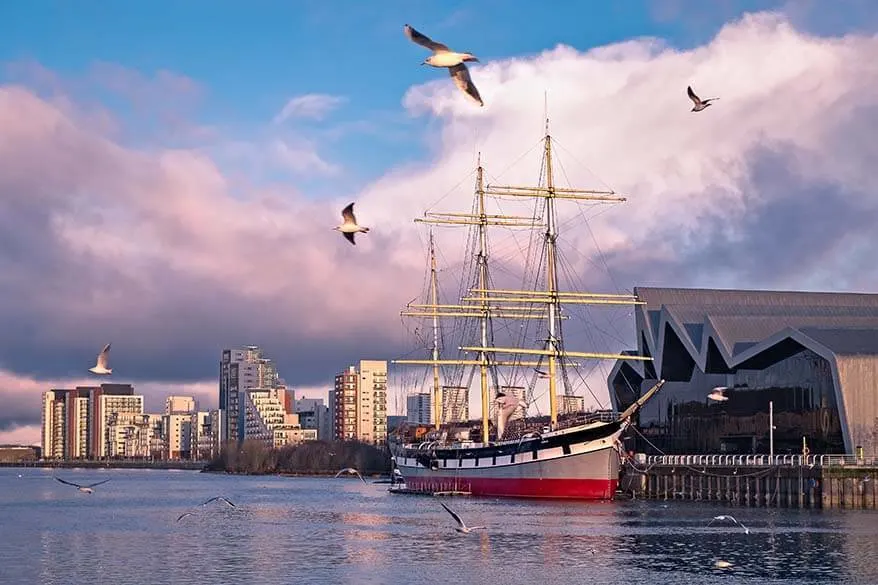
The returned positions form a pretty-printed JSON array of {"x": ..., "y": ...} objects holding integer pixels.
[{"x": 251, "y": 57}]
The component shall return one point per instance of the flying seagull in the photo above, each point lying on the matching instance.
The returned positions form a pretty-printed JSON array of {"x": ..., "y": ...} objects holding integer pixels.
[
  {"x": 350, "y": 227},
  {"x": 83, "y": 488},
  {"x": 462, "y": 528},
  {"x": 215, "y": 498},
  {"x": 718, "y": 395},
  {"x": 729, "y": 518},
  {"x": 102, "y": 363},
  {"x": 444, "y": 57},
  {"x": 700, "y": 104},
  {"x": 351, "y": 471}
]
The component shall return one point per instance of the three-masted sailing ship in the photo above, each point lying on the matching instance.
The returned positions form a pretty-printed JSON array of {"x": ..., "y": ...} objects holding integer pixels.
[{"x": 569, "y": 457}]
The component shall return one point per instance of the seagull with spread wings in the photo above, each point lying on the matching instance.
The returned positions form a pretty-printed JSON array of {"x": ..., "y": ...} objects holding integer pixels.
[
  {"x": 726, "y": 517},
  {"x": 350, "y": 227},
  {"x": 461, "y": 526},
  {"x": 444, "y": 57},
  {"x": 351, "y": 471},
  {"x": 700, "y": 104},
  {"x": 88, "y": 489},
  {"x": 102, "y": 366}
]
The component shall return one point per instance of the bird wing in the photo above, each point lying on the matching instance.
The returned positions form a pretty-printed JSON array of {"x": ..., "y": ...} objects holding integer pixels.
[
  {"x": 460, "y": 75},
  {"x": 68, "y": 482},
  {"x": 215, "y": 498},
  {"x": 423, "y": 40},
  {"x": 91, "y": 485},
  {"x": 104, "y": 357},
  {"x": 183, "y": 515},
  {"x": 453, "y": 515},
  {"x": 348, "y": 214},
  {"x": 692, "y": 95},
  {"x": 350, "y": 237}
]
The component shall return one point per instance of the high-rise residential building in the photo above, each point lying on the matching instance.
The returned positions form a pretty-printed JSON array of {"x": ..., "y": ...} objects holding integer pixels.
[
  {"x": 240, "y": 370},
  {"x": 313, "y": 414},
  {"x": 455, "y": 404},
  {"x": 177, "y": 434},
  {"x": 268, "y": 417},
  {"x": 358, "y": 403},
  {"x": 570, "y": 404},
  {"x": 201, "y": 440},
  {"x": 129, "y": 435},
  {"x": 75, "y": 421},
  {"x": 106, "y": 404},
  {"x": 180, "y": 405},
  {"x": 418, "y": 408}
]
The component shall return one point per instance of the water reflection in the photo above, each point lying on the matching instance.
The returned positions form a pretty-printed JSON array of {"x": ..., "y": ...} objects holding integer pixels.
[{"x": 301, "y": 530}]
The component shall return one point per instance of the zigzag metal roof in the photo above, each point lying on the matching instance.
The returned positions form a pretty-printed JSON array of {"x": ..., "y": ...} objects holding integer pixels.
[{"x": 742, "y": 324}]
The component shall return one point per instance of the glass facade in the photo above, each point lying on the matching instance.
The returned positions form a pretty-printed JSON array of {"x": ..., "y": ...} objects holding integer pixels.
[{"x": 681, "y": 419}]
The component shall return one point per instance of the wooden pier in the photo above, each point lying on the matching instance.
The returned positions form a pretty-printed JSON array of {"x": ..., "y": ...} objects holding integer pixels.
[{"x": 786, "y": 481}]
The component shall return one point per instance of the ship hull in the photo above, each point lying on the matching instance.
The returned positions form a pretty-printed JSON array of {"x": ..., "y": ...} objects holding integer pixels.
[{"x": 569, "y": 468}]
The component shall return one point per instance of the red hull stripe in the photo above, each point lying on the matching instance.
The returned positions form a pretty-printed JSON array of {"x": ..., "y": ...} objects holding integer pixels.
[{"x": 574, "y": 489}]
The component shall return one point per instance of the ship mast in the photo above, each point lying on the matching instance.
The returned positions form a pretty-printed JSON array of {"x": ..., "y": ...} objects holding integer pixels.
[
  {"x": 551, "y": 297},
  {"x": 483, "y": 310},
  {"x": 482, "y": 260},
  {"x": 434, "y": 301}
]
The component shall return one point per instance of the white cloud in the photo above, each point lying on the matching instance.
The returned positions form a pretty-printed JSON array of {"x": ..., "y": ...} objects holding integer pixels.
[
  {"x": 313, "y": 105},
  {"x": 301, "y": 158}
]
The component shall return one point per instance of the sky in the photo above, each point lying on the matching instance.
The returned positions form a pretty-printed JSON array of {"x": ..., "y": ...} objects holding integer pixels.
[{"x": 170, "y": 171}]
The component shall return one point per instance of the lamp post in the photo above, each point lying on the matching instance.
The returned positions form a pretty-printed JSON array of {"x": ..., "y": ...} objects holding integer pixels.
[{"x": 771, "y": 429}]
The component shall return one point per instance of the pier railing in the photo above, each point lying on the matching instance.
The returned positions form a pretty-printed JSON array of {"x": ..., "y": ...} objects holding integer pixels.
[{"x": 756, "y": 460}]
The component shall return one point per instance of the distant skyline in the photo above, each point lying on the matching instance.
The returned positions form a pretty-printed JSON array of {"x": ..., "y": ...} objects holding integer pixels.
[{"x": 170, "y": 171}]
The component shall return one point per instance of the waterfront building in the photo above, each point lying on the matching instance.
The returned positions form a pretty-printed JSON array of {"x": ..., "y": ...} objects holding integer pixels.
[
  {"x": 418, "y": 408},
  {"x": 455, "y": 404},
  {"x": 180, "y": 405},
  {"x": 240, "y": 370},
  {"x": 314, "y": 415},
  {"x": 268, "y": 417},
  {"x": 358, "y": 403},
  {"x": 568, "y": 404},
  {"x": 129, "y": 435},
  {"x": 809, "y": 358}
]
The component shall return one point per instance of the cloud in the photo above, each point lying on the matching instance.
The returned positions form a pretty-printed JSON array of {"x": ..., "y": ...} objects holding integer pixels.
[
  {"x": 312, "y": 105},
  {"x": 173, "y": 256}
]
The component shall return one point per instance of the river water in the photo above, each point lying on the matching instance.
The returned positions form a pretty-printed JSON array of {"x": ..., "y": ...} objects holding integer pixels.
[{"x": 310, "y": 530}]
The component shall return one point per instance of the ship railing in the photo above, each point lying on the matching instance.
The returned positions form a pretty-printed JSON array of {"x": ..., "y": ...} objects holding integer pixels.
[{"x": 728, "y": 460}]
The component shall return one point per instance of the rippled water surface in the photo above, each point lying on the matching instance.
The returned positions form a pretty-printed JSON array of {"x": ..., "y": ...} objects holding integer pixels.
[{"x": 303, "y": 530}]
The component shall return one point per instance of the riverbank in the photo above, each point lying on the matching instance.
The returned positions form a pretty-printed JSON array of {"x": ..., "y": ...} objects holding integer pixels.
[{"x": 80, "y": 464}]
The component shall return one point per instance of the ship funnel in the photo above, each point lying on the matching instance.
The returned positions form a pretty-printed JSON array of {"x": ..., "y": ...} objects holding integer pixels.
[{"x": 506, "y": 405}]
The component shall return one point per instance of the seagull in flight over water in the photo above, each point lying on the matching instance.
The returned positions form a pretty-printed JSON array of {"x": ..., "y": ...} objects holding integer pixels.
[
  {"x": 461, "y": 527},
  {"x": 102, "y": 363},
  {"x": 350, "y": 227},
  {"x": 700, "y": 104},
  {"x": 215, "y": 498},
  {"x": 351, "y": 471},
  {"x": 444, "y": 57},
  {"x": 88, "y": 489},
  {"x": 726, "y": 517}
]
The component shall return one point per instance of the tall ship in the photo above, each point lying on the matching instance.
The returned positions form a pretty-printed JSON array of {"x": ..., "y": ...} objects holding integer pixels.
[{"x": 507, "y": 453}]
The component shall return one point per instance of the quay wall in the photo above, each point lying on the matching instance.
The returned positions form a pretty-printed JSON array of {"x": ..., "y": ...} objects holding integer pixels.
[{"x": 787, "y": 481}]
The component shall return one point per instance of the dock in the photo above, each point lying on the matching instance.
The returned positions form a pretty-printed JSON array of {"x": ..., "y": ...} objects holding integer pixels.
[{"x": 785, "y": 481}]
